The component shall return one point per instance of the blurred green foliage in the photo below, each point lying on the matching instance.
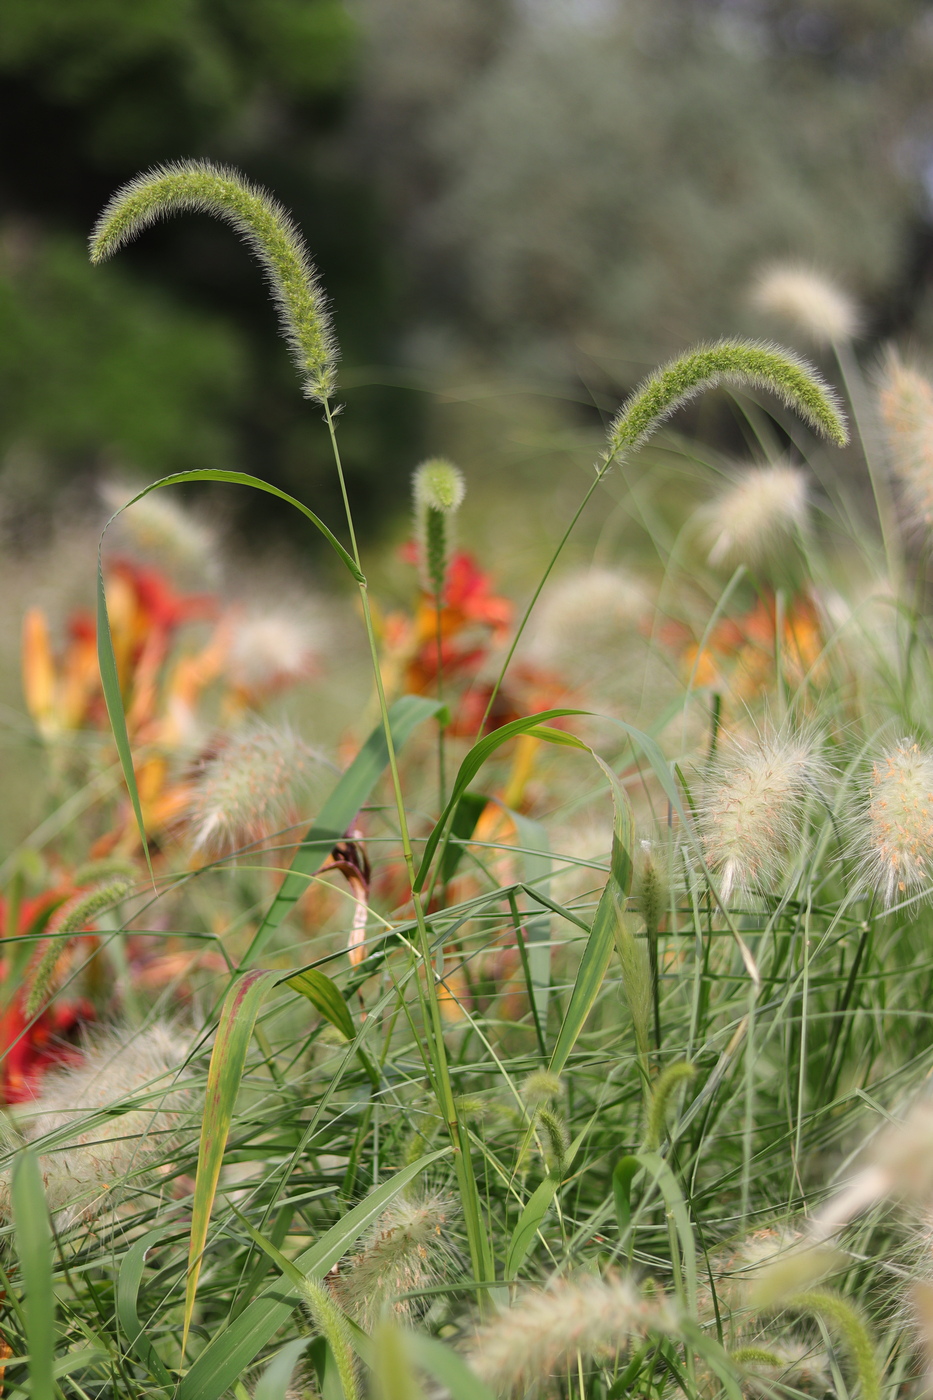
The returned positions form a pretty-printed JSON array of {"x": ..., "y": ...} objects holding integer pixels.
[{"x": 169, "y": 359}]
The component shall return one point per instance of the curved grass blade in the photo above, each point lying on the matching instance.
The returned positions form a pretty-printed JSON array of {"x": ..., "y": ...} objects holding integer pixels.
[
  {"x": 536, "y": 1208},
  {"x": 325, "y": 997},
  {"x": 237, "y": 1019},
  {"x": 530, "y": 724},
  {"x": 229, "y": 1353},
  {"x": 33, "y": 1231},
  {"x": 275, "y": 1380},
  {"x": 601, "y": 940},
  {"x": 446, "y": 1366},
  {"x": 351, "y": 792},
  {"x": 127, "y": 1292}
]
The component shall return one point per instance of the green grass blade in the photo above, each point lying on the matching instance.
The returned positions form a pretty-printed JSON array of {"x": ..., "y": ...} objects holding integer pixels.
[
  {"x": 127, "y": 1293},
  {"x": 477, "y": 757},
  {"x": 33, "y": 1231},
  {"x": 325, "y": 997},
  {"x": 237, "y": 1019},
  {"x": 229, "y": 1353},
  {"x": 275, "y": 1380},
  {"x": 536, "y": 1208},
  {"x": 351, "y": 792},
  {"x": 447, "y": 1367},
  {"x": 533, "y": 837}
]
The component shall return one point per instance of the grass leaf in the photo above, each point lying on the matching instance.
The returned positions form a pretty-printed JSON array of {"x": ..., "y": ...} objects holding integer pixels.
[{"x": 33, "y": 1232}]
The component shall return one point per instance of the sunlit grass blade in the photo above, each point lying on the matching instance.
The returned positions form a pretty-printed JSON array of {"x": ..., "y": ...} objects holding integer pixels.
[
  {"x": 237, "y": 1019},
  {"x": 33, "y": 1233}
]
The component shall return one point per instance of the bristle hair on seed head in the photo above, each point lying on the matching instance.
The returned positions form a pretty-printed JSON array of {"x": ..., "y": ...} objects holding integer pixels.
[
  {"x": 439, "y": 485},
  {"x": 545, "y": 1330},
  {"x": 756, "y": 364},
  {"x": 905, "y": 401},
  {"x": 245, "y": 788},
  {"x": 892, "y": 834},
  {"x": 762, "y": 511},
  {"x": 750, "y": 807},
  {"x": 406, "y": 1251},
  {"x": 199, "y": 186},
  {"x": 97, "y": 1153},
  {"x": 808, "y": 300},
  {"x": 541, "y": 1087}
]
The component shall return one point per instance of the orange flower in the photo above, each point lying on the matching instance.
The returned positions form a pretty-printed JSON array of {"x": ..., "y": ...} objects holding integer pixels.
[{"x": 739, "y": 655}]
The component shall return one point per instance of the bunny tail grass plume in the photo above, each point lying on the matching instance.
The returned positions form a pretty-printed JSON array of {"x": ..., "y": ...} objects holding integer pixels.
[
  {"x": 112, "y": 1118},
  {"x": 804, "y": 298},
  {"x": 72, "y": 918},
  {"x": 438, "y": 490},
  {"x": 742, "y": 362},
  {"x": 246, "y": 788},
  {"x": 333, "y": 1324},
  {"x": 405, "y": 1252},
  {"x": 546, "y": 1330},
  {"x": 905, "y": 398},
  {"x": 894, "y": 836},
  {"x": 201, "y": 187},
  {"x": 750, "y": 807},
  {"x": 764, "y": 509}
]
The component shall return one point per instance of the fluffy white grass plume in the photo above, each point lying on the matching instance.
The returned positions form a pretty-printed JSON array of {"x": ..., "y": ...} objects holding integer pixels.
[
  {"x": 587, "y": 610},
  {"x": 158, "y": 526},
  {"x": 406, "y": 1251},
  {"x": 808, "y": 300},
  {"x": 93, "y": 1156},
  {"x": 545, "y": 1330},
  {"x": 750, "y": 807},
  {"x": 898, "y": 1165},
  {"x": 246, "y": 788},
  {"x": 895, "y": 834},
  {"x": 763, "y": 510},
  {"x": 270, "y": 649},
  {"x": 905, "y": 398}
]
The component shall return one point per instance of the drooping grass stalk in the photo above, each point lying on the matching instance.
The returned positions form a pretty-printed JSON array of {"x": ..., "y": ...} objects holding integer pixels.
[
  {"x": 736, "y": 362},
  {"x": 277, "y": 243}
]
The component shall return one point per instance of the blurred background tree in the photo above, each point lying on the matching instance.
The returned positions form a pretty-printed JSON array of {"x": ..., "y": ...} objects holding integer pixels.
[{"x": 560, "y": 190}]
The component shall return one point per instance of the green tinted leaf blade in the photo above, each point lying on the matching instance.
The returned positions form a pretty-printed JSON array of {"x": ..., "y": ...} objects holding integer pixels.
[{"x": 33, "y": 1233}]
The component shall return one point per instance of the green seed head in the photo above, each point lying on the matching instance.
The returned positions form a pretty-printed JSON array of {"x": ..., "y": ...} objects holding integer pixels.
[
  {"x": 438, "y": 490},
  {"x": 201, "y": 187}
]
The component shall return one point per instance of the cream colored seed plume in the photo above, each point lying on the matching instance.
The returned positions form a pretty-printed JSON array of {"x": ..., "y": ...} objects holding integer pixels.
[
  {"x": 905, "y": 398},
  {"x": 546, "y": 1330},
  {"x": 93, "y": 1157},
  {"x": 270, "y": 649},
  {"x": 750, "y": 808},
  {"x": 405, "y": 1252},
  {"x": 588, "y": 610},
  {"x": 805, "y": 298},
  {"x": 246, "y": 789},
  {"x": 897, "y": 846},
  {"x": 158, "y": 525},
  {"x": 765, "y": 508}
]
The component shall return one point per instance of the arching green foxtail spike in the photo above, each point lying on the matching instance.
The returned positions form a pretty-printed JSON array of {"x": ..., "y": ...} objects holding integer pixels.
[
  {"x": 200, "y": 187},
  {"x": 666, "y": 1083},
  {"x": 754, "y": 363}
]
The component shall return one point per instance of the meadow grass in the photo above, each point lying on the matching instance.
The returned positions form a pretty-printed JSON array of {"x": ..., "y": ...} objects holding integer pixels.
[{"x": 572, "y": 1034}]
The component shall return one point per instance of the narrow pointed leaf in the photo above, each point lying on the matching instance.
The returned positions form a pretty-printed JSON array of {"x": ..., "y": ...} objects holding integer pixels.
[
  {"x": 324, "y": 995},
  {"x": 536, "y": 1208},
  {"x": 237, "y": 1019},
  {"x": 33, "y": 1231}
]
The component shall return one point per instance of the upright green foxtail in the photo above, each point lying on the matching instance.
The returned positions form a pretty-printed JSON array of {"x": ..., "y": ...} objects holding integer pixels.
[
  {"x": 438, "y": 491},
  {"x": 749, "y": 362},
  {"x": 263, "y": 224}
]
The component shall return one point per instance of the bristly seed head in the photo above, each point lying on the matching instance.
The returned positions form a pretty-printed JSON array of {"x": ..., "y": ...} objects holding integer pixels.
[
  {"x": 765, "y": 508},
  {"x": 805, "y": 298},
  {"x": 438, "y": 489},
  {"x": 406, "y": 1251},
  {"x": 896, "y": 841},
  {"x": 750, "y": 808},
  {"x": 905, "y": 398},
  {"x": 246, "y": 788},
  {"x": 198, "y": 186},
  {"x": 546, "y": 1330}
]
